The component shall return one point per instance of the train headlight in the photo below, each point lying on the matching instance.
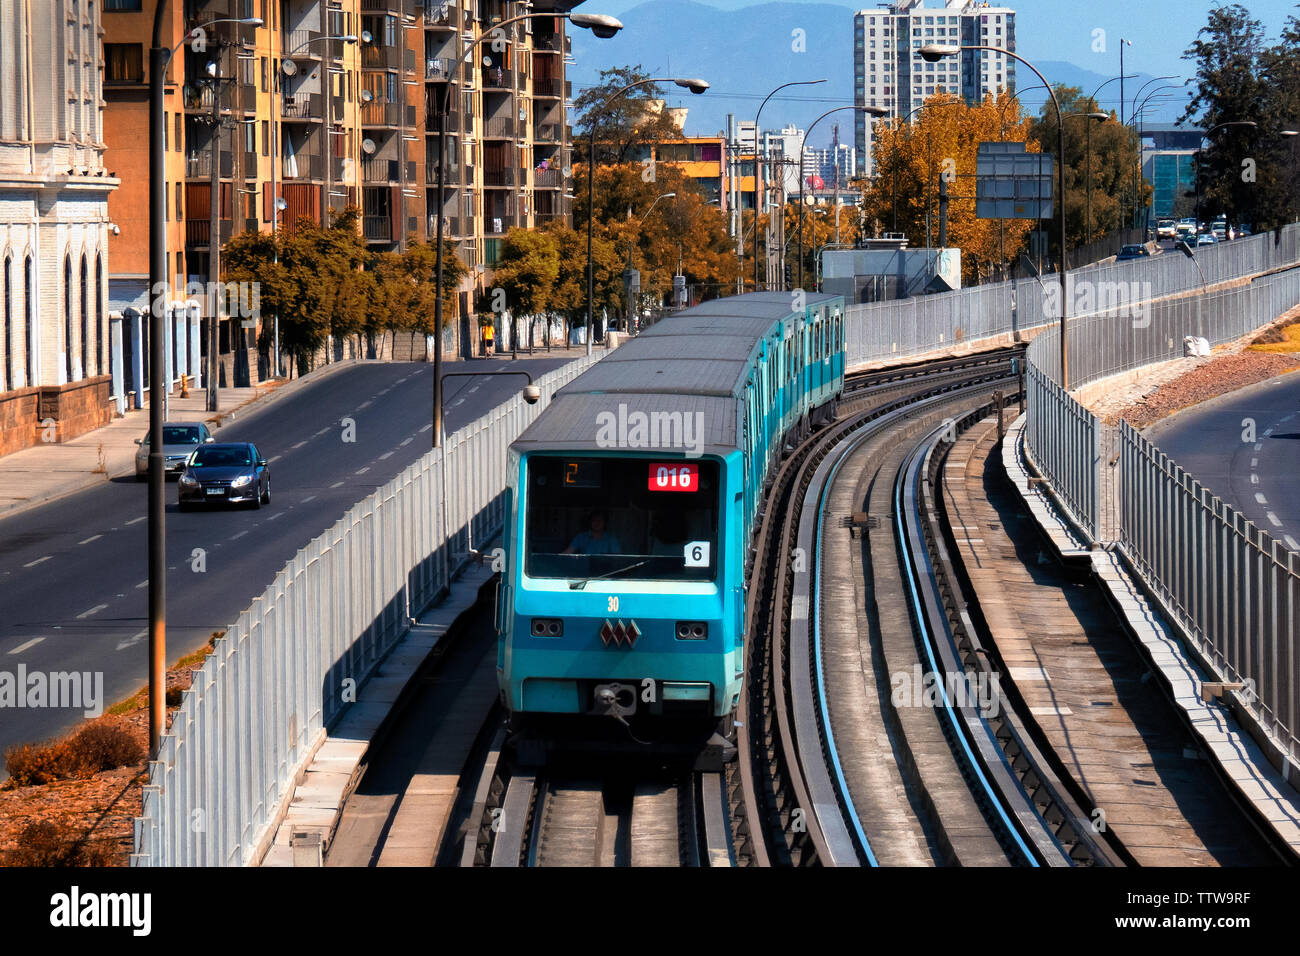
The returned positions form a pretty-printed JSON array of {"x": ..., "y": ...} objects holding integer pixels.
[
  {"x": 547, "y": 627},
  {"x": 692, "y": 631}
]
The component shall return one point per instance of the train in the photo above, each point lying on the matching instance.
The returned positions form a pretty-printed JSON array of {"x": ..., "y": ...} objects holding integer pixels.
[{"x": 632, "y": 503}]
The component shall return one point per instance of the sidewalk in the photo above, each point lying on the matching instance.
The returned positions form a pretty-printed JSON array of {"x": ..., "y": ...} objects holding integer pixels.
[{"x": 42, "y": 473}]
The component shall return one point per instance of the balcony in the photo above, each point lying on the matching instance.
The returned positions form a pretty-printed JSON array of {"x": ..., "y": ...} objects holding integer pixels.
[
  {"x": 440, "y": 15},
  {"x": 199, "y": 231},
  {"x": 380, "y": 170},
  {"x": 498, "y": 177},
  {"x": 431, "y": 174},
  {"x": 302, "y": 107},
  {"x": 548, "y": 178},
  {"x": 547, "y": 44},
  {"x": 500, "y": 127},
  {"x": 381, "y": 114},
  {"x": 301, "y": 44},
  {"x": 451, "y": 123},
  {"x": 199, "y": 165},
  {"x": 451, "y": 226},
  {"x": 439, "y": 68},
  {"x": 497, "y": 78},
  {"x": 303, "y": 167},
  {"x": 547, "y": 133},
  {"x": 547, "y": 86},
  {"x": 377, "y": 228}
]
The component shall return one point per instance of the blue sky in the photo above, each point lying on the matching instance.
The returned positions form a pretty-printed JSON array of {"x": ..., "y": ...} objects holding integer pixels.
[{"x": 1160, "y": 30}]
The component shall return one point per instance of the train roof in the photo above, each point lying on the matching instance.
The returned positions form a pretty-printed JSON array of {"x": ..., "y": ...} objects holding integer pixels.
[{"x": 694, "y": 361}]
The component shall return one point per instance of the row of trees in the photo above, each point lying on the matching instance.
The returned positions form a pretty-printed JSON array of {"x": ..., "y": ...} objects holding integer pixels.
[
  {"x": 1248, "y": 173},
  {"x": 323, "y": 282}
]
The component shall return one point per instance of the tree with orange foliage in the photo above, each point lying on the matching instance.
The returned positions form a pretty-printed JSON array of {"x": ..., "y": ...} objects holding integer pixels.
[{"x": 943, "y": 142}]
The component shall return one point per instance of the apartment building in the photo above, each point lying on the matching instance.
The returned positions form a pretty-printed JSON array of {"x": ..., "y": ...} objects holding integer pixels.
[
  {"x": 888, "y": 70},
  {"x": 327, "y": 103},
  {"x": 55, "y": 231}
]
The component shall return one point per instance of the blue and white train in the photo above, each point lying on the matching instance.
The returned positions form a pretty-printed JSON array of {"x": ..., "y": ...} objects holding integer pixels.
[{"x": 632, "y": 506}]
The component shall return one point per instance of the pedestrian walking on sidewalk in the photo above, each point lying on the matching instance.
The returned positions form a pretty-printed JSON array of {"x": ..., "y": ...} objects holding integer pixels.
[{"x": 487, "y": 339}]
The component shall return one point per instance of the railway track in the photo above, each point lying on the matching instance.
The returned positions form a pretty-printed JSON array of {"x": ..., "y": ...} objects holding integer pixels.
[{"x": 794, "y": 801}]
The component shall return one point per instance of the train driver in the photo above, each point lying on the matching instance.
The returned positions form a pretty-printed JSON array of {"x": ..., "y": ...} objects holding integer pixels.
[{"x": 595, "y": 540}]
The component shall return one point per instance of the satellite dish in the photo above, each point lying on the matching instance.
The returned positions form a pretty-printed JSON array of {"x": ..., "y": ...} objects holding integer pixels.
[
  {"x": 367, "y": 96},
  {"x": 288, "y": 67},
  {"x": 487, "y": 61},
  {"x": 368, "y": 146},
  {"x": 281, "y": 205}
]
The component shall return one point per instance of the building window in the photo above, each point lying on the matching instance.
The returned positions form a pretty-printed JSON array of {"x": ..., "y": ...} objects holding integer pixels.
[
  {"x": 29, "y": 316},
  {"x": 266, "y": 138},
  {"x": 85, "y": 321},
  {"x": 67, "y": 318},
  {"x": 180, "y": 213},
  {"x": 124, "y": 62}
]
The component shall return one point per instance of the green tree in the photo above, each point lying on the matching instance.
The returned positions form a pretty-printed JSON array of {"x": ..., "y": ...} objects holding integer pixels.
[
  {"x": 630, "y": 123},
  {"x": 526, "y": 271}
]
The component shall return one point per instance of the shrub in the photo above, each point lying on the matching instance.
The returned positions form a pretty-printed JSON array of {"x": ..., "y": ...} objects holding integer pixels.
[
  {"x": 30, "y": 764},
  {"x": 50, "y": 844},
  {"x": 104, "y": 745}
]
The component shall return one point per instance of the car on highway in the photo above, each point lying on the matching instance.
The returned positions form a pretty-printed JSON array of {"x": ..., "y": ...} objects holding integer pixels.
[
  {"x": 1134, "y": 251},
  {"x": 225, "y": 473},
  {"x": 1206, "y": 239},
  {"x": 1166, "y": 229},
  {"x": 179, "y": 441}
]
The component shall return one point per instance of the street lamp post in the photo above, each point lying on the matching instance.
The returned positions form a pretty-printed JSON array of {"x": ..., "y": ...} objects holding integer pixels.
[
  {"x": 933, "y": 52},
  {"x": 692, "y": 84},
  {"x": 758, "y": 163},
  {"x": 599, "y": 24},
  {"x": 1099, "y": 117},
  {"x": 159, "y": 57},
  {"x": 870, "y": 111}
]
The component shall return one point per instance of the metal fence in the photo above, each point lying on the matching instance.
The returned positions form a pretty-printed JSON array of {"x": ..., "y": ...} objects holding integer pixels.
[
  {"x": 905, "y": 327},
  {"x": 288, "y": 666},
  {"x": 1232, "y": 588}
]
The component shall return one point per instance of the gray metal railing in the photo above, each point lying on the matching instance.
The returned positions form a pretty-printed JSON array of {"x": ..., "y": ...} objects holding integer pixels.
[
  {"x": 903, "y": 327},
  {"x": 1227, "y": 584},
  {"x": 286, "y": 669}
]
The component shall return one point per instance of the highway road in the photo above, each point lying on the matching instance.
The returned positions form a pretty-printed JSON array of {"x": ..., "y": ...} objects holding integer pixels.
[
  {"x": 1213, "y": 441},
  {"x": 73, "y": 573}
]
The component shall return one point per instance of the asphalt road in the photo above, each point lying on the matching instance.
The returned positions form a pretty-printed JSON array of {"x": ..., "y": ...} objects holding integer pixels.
[
  {"x": 1258, "y": 478},
  {"x": 73, "y": 574}
]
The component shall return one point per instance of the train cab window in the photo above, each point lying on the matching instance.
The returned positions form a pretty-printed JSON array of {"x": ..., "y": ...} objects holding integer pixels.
[{"x": 649, "y": 519}]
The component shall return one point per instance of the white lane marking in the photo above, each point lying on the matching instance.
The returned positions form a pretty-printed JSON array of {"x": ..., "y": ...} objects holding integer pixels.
[
  {"x": 365, "y": 404},
  {"x": 1273, "y": 520},
  {"x": 387, "y": 454},
  {"x": 319, "y": 433},
  {"x": 1254, "y": 462},
  {"x": 274, "y": 516},
  {"x": 1260, "y": 498},
  {"x": 275, "y": 459},
  {"x": 307, "y": 499},
  {"x": 94, "y": 610},
  {"x": 131, "y": 641},
  {"x": 297, "y": 446},
  {"x": 1259, "y": 446},
  {"x": 407, "y": 442},
  {"x": 236, "y": 537},
  {"x": 427, "y": 428},
  {"x": 27, "y": 645},
  {"x": 1291, "y": 542},
  {"x": 32, "y": 564},
  {"x": 134, "y": 521},
  {"x": 1268, "y": 432},
  {"x": 336, "y": 484},
  {"x": 1254, "y": 479},
  {"x": 459, "y": 401},
  {"x": 473, "y": 390},
  {"x": 142, "y": 584},
  {"x": 93, "y": 537},
  {"x": 362, "y": 471}
]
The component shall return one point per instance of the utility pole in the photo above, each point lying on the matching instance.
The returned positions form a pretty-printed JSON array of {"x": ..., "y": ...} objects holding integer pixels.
[{"x": 214, "y": 233}]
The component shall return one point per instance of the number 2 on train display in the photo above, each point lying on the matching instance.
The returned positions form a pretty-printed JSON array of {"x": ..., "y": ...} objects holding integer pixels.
[{"x": 673, "y": 476}]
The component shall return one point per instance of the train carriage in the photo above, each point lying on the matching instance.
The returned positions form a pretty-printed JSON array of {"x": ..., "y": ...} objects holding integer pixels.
[{"x": 632, "y": 503}]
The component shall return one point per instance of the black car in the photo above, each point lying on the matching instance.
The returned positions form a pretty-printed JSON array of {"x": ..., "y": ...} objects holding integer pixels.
[{"x": 225, "y": 472}]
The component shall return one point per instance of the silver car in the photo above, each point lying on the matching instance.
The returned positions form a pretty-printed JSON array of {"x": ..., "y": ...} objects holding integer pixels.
[{"x": 179, "y": 440}]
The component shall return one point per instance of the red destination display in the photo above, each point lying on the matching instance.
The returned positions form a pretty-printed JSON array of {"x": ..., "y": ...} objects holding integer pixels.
[{"x": 674, "y": 476}]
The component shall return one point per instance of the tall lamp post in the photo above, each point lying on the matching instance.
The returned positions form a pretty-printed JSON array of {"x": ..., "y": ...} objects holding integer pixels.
[
  {"x": 932, "y": 53},
  {"x": 758, "y": 162},
  {"x": 602, "y": 26},
  {"x": 159, "y": 57},
  {"x": 1099, "y": 117},
  {"x": 629, "y": 274},
  {"x": 870, "y": 111},
  {"x": 692, "y": 84}
]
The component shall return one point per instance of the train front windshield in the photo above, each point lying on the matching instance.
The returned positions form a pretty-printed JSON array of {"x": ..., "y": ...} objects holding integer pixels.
[{"x": 621, "y": 519}]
